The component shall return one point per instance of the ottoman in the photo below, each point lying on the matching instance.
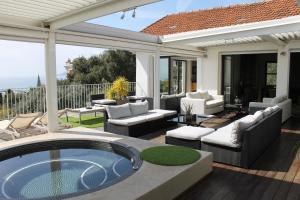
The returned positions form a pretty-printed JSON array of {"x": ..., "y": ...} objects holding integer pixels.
[{"x": 188, "y": 136}]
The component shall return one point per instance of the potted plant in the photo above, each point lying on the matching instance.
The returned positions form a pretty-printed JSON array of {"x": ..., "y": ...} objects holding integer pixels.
[
  {"x": 119, "y": 90},
  {"x": 188, "y": 112}
]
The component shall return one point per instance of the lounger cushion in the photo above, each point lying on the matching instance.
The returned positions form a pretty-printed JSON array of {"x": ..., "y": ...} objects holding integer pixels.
[
  {"x": 4, "y": 124},
  {"x": 104, "y": 101},
  {"x": 138, "y": 108},
  {"x": 128, "y": 121},
  {"x": 165, "y": 113},
  {"x": 214, "y": 103},
  {"x": 117, "y": 112},
  {"x": 221, "y": 137},
  {"x": 189, "y": 132}
]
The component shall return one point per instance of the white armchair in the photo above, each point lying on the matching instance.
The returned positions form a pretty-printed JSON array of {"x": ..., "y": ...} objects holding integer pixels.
[{"x": 202, "y": 103}]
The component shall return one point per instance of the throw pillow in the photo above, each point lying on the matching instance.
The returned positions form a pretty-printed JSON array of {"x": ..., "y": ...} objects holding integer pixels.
[
  {"x": 138, "y": 108},
  {"x": 268, "y": 111},
  {"x": 246, "y": 122},
  {"x": 117, "y": 112},
  {"x": 236, "y": 133},
  {"x": 258, "y": 115},
  {"x": 193, "y": 95}
]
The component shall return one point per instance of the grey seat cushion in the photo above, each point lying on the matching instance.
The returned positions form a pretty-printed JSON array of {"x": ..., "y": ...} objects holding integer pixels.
[
  {"x": 117, "y": 112},
  {"x": 150, "y": 116},
  {"x": 214, "y": 103},
  {"x": 104, "y": 101},
  {"x": 165, "y": 113},
  {"x": 128, "y": 121},
  {"x": 189, "y": 132},
  {"x": 221, "y": 137}
]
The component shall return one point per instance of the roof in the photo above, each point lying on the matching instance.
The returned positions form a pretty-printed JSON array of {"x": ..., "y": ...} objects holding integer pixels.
[{"x": 224, "y": 16}]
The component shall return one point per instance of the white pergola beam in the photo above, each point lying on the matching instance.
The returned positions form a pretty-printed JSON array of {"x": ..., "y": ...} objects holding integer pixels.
[
  {"x": 102, "y": 9},
  {"x": 274, "y": 40}
]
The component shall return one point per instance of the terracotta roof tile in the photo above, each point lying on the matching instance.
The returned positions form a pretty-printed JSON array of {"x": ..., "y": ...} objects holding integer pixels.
[{"x": 226, "y": 16}]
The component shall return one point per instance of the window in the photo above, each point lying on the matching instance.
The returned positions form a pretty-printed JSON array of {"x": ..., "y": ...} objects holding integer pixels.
[{"x": 271, "y": 75}]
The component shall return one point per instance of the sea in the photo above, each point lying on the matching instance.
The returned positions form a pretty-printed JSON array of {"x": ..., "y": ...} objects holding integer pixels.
[{"x": 22, "y": 82}]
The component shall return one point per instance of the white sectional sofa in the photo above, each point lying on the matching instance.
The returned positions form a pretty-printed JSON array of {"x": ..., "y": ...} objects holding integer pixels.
[
  {"x": 202, "y": 103},
  {"x": 134, "y": 119},
  {"x": 281, "y": 101}
]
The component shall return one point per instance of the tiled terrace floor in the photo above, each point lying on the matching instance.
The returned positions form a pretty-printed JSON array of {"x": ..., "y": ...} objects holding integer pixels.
[{"x": 275, "y": 175}]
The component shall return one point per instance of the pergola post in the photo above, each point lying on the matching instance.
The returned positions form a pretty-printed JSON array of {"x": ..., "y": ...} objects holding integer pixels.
[
  {"x": 283, "y": 69},
  {"x": 144, "y": 74},
  {"x": 51, "y": 84},
  {"x": 199, "y": 73},
  {"x": 156, "y": 79}
]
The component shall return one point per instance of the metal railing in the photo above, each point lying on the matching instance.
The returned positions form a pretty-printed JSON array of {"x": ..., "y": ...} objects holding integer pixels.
[{"x": 30, "y": 100}]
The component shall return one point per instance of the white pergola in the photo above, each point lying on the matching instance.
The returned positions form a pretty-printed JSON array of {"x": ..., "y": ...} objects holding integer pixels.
[{"x": 62, "y": 22}]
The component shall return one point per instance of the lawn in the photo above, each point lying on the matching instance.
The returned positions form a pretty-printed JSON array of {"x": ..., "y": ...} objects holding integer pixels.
[{"x": 86, "y": 121}]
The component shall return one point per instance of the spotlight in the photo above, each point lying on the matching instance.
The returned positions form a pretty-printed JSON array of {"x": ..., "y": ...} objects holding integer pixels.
[
  {"x": 134, "y": 13},
  {"x": 123, "y": 15}
]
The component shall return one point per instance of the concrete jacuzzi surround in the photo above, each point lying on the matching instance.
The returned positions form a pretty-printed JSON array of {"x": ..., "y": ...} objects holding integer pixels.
[{"x": 148, "y": 183}]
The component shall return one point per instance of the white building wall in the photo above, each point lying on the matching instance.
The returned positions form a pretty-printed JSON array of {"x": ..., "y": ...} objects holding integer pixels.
[{"x": 210, "y": 71}]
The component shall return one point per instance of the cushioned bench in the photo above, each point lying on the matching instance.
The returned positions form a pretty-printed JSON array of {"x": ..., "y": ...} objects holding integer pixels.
[{"x": 134, "y": 119}]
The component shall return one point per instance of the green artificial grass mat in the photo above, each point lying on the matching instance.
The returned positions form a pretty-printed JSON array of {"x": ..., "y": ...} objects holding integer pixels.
[
  {"x": 86, "y": 121},
  {"x": 170, "y": 155}
]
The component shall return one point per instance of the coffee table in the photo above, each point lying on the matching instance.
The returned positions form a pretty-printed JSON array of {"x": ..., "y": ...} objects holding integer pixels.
[{"x": 82, "y": 111}]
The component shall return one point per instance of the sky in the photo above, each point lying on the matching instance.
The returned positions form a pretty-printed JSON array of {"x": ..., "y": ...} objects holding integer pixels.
[{"x": 23, "y": 62}]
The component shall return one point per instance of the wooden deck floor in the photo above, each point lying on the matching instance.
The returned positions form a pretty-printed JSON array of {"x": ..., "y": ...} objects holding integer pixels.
[{"x": 275, "y": 175}]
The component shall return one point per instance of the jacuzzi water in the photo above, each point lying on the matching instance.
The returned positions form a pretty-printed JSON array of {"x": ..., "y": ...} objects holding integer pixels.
[{"x": 61, "y": 169}]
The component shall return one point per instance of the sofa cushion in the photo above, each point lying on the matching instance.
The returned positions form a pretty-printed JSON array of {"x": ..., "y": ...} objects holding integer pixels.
[
  {"x": 267, "y": 111},
  {"x": 138, "y": 108},
  {"x": 205, "y": 95},
  {"x": 150, "y": 116},
  {"x": 214, "y": 103},
  {"x": 193, "y": 95},
  {"x": 166, "y": 96},
  {"x": 189, "y": 132},
  {"x": 275, "y": 108},
  {"x": 182, "y": 94},
  {"x": 258, "y": 116},
  {"x": 246, "y": 122},
  {"x": 165, "y": 113},
  {"x": 239, "y": 126},
  {"x": 128, "y": 121},
  {"x": 221, "y": 137},
  {"x": 117, "y": 112},
  {"x": 104, "y": 101},
  {"x": 279, "y": 99}
]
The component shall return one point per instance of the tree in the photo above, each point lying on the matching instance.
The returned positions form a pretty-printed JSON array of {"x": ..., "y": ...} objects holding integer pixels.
[
  {"x": 105, "y": 67},
  {"x": 38, "y": 84}
]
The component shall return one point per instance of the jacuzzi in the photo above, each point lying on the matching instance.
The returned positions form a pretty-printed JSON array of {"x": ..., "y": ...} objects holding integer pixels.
[{"x": 64, "y": 168}]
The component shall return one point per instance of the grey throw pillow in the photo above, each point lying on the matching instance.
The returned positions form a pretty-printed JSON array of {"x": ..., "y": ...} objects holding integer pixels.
[
  {"x": 139, "y": 108},
  {"x": 117, "y": 112}
]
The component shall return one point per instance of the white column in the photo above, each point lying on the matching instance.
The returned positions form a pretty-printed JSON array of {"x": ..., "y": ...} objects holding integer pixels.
[
  {"x": 156, "y": 79},
  {"x": 199, "y": 73},
  {"x": 283, "y": 72},
  {"x": 189, "y": 76},
  {"x": 144, "y": 74},
  {"x": 51, "y": 84}
]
